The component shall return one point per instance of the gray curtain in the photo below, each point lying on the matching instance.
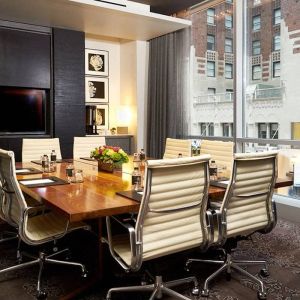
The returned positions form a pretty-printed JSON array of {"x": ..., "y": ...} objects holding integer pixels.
[{"x": 167, "y": 90}]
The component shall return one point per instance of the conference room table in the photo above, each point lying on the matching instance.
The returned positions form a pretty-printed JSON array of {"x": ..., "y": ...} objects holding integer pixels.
[{"x": 96, "y": 196}]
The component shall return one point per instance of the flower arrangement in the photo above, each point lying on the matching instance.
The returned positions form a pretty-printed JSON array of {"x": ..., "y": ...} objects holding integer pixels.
[{"x": 110, "y": 154}]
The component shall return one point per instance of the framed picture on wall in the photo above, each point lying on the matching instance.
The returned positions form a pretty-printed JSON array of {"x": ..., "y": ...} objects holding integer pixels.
[
  {"x": 96, "y": 89},
  {"x": 102, "y": 116},
  {"x": 96, "y": 62}
]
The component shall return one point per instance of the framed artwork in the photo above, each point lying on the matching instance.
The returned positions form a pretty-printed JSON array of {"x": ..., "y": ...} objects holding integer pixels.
[
  {"x": 96, "y": 89},
  {"x": 102, "y": 116},
  {"x": 96, "y": 62}
]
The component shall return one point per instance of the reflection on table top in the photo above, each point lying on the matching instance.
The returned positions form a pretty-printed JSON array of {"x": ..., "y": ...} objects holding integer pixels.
[{"x": 96, "y": 196}]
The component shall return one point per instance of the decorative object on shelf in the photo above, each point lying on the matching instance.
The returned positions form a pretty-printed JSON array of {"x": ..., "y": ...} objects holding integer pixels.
[
  {"x": 96, "y": 62},
  {"x": 109, "y": 158},
  {"x": 113, "y": 130},
  {"x": 195, "y": 147},
  {"x": 101, "y": 117},
  {"x": 96, "y": 89}
]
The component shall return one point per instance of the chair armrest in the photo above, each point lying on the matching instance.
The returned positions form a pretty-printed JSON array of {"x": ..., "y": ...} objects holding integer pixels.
[
  {"x": 210, "y": 226},
  {"x": 220, "y": 223}
]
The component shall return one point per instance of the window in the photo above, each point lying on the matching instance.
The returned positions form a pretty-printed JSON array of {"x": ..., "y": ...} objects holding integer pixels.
[
  {"x": 211, "y": 16},
  {"x": 277, "y": 16},
  {"x": 211, "y": 94},
  {"x": 228, "y": 45},
  {"x": 273, "y": 131},
  {"x": 211, "y": 72},
  {"x": 228, "y": 71},
  {"x": 256, "y": 23},
  {"x": 206, "y": 129},
  {"x": 276, "y": 69},
  {"x": 227, "y": 129},
  {"x": 229, "y": 1},
  {"x": 256, "y": 72},
  {"x": 228, "y": 21},
  {"x": 262, "y": 130},
  {"x": 276, "y": 43},
  {"x": 256, "y": 2},
  {"x": 229, "y": 95},
  {"x": 256, "y": 48},
  {"x": 211, "y": 42}
]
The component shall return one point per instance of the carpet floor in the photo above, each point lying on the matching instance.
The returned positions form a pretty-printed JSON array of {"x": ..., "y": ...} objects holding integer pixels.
[{"x": 281, "y": 249}]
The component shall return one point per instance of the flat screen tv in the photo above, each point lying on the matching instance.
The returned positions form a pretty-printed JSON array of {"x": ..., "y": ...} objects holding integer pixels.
[{"x": 22, "y": 111}]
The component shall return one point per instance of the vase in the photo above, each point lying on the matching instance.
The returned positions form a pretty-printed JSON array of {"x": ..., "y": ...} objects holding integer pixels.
[{"x": 109, "y": 167}]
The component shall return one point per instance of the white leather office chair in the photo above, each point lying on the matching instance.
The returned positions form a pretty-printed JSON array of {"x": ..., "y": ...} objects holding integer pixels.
[
  {"x": 84, "y": 145},
  {"x": 176, "y": 146},
  {"x": 221, "y": 152},
  {"x": 33, "y": 149},
  {"x": 247, "y": 207},
  {"x": 33, "y": 229},
  {"x": 172, "y": 218}
]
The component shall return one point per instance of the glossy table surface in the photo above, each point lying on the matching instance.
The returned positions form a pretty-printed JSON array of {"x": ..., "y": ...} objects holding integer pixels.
[{"x": 96, "y": 196}]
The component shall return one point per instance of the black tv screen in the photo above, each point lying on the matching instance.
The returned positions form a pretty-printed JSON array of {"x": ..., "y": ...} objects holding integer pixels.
[{"x": 22, "y": 111}]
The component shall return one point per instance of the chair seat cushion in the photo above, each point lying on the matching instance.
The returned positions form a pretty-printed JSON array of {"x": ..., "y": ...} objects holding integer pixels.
[{"x": 49, "y": 226}]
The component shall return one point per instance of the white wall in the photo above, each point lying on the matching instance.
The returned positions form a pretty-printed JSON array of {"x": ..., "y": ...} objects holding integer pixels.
[{"x": 128, "y": 82}]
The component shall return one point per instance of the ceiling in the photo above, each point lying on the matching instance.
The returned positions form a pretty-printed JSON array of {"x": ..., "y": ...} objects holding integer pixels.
[{"x": 168, "y": 7}]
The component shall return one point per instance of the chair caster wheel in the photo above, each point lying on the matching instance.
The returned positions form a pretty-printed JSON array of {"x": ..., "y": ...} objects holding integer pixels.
[
  {"x": 195, "y": 291},
  {"x": 261, "y": 295},
  {"x": 228, "y": 276},
  {"x": 41, "y": 295},
  {"x": 187, "y": 267},
  {"x": 205, "y": 293},
  {"x": 264, "y": 273}
]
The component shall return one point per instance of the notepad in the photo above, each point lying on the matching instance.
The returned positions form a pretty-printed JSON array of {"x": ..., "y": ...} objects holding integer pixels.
[
  {"x": 43, "y": 182},
  {"x": 221, "y": 183},
  {"x": 27, "y": 171},
  {"x": 36, "y": 181}
]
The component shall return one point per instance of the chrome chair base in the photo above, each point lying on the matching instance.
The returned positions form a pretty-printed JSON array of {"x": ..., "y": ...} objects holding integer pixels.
[
  {"x": 230, "y": 264},
  {"x": 158, "y": 288},
  {"x": 8, "y": 236},
  {"x": 41, "y": 261}
]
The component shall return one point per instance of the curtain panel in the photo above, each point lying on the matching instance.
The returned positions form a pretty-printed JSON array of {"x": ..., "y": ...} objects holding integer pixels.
[{"x": 168, "y": 113}]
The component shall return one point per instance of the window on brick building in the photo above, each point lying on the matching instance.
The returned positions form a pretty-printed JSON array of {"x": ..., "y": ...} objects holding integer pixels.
[
  {"x": 273, "y": 129},
  {"x": 211, "y": 69},
  {"x": 227, "y": 129},
  {"x": 276, "y": 43},
  {"x": 256, "y": 72},
  {"x": 262, "y": 130},
  {"x": 229, "y": 95},
  {"x": 228, "y": 45},
  {"x": 277, "y": 16},
  {"x": 256, "y": 48},
  {"x": 256, "y": 2},
  {"x": 206, "y": 129},
  {"x": 228, "y": 71},
  {"x": 276, "y": 69},
  {"x": 229, "y": 1},
  {"x": 211, "y": 42},
  {"x": 256, "y": 23},
  {"x": 211, "y": 94},
  {"x": 211, "y": 16},
  {"x": 228, "y": 21}
]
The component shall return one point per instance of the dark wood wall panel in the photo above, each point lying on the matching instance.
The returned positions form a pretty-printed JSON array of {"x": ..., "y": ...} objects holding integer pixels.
[
  {"x": 69, "y": 104},
  {"x": 25, "y": 58}
]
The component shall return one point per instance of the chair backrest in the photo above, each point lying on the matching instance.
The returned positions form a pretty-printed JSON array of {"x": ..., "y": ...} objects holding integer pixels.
[
  {"x": 247, "y": 204},
  {"x": 33, "y": 149},
  {"x": 14, "y": 201},
  {"x": 84, "y": 145},
  {"x": 173, "y": 208},
  {"x": 221, "y": 152},
  {"x": 176, "y": 146}
]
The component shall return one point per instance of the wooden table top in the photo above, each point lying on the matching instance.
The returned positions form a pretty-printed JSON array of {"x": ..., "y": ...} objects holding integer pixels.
[{"x": 96, "y": 196}]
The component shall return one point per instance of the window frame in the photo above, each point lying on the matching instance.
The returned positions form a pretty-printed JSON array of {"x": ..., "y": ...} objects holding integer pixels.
[
  {"x": 209, "y": 69},
  {"x": 212, "y": 43},
  {"x": 275, "y": 70},
  {"x": 228, "y": 45},
  {"x": 210, "y": 17},
  {"x": 260, "y": 71},
  {"x": 254, "y": 48},
  {"x": 258, "y": 24},
  {"x": 229, "y": 71},
  {"x": 276, "y": 18},
  {"x": 228, "y": 20},
  {"x": 276, "y": 36}
]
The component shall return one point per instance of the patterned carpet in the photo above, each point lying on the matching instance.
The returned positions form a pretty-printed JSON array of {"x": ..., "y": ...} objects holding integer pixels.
[{"x": 281, "y": 248}]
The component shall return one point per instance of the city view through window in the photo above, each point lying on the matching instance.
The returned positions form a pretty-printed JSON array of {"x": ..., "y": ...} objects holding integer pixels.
[{"x": 271, "y": 91}]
